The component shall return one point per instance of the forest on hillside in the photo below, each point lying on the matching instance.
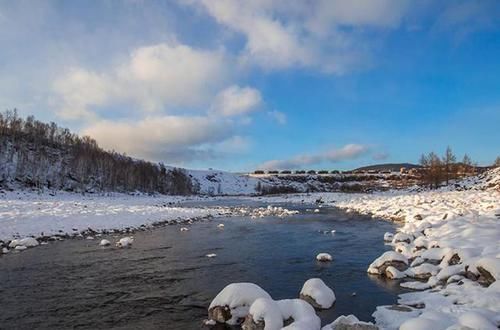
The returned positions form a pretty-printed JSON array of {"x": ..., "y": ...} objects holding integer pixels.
[{"x": 45, "y": 156}]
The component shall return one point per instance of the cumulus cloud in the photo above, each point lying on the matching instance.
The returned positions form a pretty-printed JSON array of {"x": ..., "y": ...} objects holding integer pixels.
[
  {"x": 278, "y": 116},
  {"x": 168, "y": 138},
  {"x": 236, "y": 100},
  {"x": 280, "y": 34},
  {"x": 153, "y": 78},
  {"x": 349, "y": 151}
]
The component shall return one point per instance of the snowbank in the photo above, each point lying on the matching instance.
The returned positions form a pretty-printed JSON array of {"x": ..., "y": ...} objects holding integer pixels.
[{"x": 24, "y": 214}]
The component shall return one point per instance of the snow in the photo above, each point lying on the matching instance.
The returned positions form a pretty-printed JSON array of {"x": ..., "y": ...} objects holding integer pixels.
[
  {"x": 24, "y": 214},
  {"x": 388, "y": 256},
  {"x": 303, "y": 314},
  {"x": 26, "y": 242},
  {"x": 125, "y": 242},
  {"x": 319, "y": 291},
  {"x": 345, "y": 320},
  {"x": 105, "y": 242},
  {"x": 324, "y": 257},
  {"x": 490, "y": 264},
  {"x": 393, "y": 273},
  {"x": 267, "y": 310},
  {"x": 238, "y": 297}
]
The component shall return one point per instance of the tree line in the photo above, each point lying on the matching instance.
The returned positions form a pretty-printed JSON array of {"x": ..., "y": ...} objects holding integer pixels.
[
  {"x": 437, "y": 170},
  {"x": 44, "y": 155}
]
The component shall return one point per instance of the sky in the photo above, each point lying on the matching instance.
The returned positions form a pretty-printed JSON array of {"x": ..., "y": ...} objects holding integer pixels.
[{"x": 241, "y": 85}]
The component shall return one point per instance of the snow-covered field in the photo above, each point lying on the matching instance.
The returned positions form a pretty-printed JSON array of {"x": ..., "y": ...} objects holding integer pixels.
[{"x": 29, "y": 214}]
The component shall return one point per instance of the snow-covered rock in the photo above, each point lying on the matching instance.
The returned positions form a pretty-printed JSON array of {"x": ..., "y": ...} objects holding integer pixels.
[
  {"x": 303, "y": 315},
  {"x": 233, "y": 303},
  {"x": 389, "y": 258},
  {"x": 393, "y": 273},
  {"x": 349, "y": 322},
  {"x": 125, "y": 242},
  {"x": 26, "y": 242},
  {"x": 324, "y": 257},
  {"x": 422, "y": 271},
  {"x": 317, "y": 293},
  {"x": 264, "y": 314},
  {"x": 105, "y": 242}
]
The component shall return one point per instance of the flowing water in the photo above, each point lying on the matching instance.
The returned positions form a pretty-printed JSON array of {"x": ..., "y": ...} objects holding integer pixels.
[{"x": 165, "y": 281}]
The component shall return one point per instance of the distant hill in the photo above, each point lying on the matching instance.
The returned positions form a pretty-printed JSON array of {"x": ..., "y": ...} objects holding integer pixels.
[{"x": 387, "y": 167}]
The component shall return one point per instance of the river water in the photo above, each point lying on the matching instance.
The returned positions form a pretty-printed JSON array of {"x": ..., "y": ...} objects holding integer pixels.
[{"x": 165, "y": 281}]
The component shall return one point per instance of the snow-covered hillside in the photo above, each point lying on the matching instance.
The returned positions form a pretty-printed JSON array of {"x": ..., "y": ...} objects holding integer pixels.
[{"x": 213, "y": 182}]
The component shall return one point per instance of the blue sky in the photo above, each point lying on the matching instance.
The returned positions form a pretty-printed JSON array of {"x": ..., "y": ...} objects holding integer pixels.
[{"x": 239, "y": 85}]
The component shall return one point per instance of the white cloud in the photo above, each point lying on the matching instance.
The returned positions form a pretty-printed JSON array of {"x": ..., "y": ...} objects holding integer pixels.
[
  {"x": 349, "y": 151},
  {"x": 278, "y": 116},
  {"x": 380, "y": 155},
  {"x": 168, "y": 138},
  {"x": 282, "y": 34},
  {"x": 236, "y": 100},
  {"x": 154, "y": 78}
]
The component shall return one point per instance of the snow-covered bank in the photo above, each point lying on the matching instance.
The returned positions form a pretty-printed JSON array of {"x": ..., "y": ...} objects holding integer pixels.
[
  {"x": 29, "y": 214},
  {"x": 448, "y": 246}
]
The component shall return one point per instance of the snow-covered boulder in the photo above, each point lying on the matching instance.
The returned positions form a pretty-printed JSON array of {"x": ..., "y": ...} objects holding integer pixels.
[
  {"x": 423, "y": 271},
  {"x": 303, "y": 315},
  {"x": 317, "y": 293},
  {"x": 324, "y": 257},
  {"x": 388, "y": 237},
  {"x": 428, "y": 320},
  {"x": 125, "y": 242},
  {"x": 402, "y": 237},
  {"x": 105, "y": 242},
  {"x": 393, "y": 273},
  {"x": 26, "y": 242},
  {"x": 264, "y": 314},
  {"x": 233, "y": 303},
  {"x": 489, "y": 269},
  {"x": 389, "y": 258},
  {"x": 474, "y": 320},
  {"x": 349, "y": 322}
]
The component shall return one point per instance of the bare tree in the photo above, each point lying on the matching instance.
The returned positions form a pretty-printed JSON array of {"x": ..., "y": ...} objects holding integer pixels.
[
  {"x": 497, "y": 162},
  {"x": 449, "y": 161}
]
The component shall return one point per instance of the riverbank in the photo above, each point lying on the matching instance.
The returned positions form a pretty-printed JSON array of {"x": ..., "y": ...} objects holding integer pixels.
[{"x": 447, "y": 248}]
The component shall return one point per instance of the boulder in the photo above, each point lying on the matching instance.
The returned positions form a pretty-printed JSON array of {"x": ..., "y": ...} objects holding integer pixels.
[
  {"x": 485, "y": 277},
  {"x": 349, "y": 322},
  {"x": 389, "y": 258},
  {"x": 219, "y": 314},
  {"x": 317, "y": 294},
  {"x": 233, "y": 303}
]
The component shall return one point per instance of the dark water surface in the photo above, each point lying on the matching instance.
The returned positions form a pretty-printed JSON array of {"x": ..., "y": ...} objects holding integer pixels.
[{"x": 165, "y": 281}]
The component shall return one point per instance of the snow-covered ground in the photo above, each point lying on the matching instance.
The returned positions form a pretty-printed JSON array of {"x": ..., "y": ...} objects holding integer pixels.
[{"x": 29, "y": 214}]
